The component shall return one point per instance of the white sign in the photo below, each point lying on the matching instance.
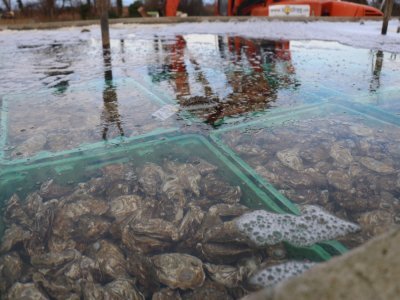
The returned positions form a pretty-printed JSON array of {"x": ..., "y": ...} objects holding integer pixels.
[
  {"x": 165, "y": 112},
  {"x": 291, "y": 10}
]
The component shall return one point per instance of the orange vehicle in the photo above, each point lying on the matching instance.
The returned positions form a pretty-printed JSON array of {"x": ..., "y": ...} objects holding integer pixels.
[{"x": 281, "y": 8}]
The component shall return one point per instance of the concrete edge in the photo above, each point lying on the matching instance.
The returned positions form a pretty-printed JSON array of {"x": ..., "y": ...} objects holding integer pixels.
[{"x": 176, "y": 20}]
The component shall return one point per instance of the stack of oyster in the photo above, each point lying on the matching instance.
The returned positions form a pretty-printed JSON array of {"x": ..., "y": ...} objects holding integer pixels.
[
  {"x": 340, "y": 162},
  {"x": 168, "y": 231}
]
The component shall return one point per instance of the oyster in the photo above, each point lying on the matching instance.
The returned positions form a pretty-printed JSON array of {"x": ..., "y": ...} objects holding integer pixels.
[
  {"x": 179, "y": 270},
  {"x": 339, "y": 180},
  {"x": 174, "y": 190},
  {"x": 219, "y": 190},
  {"x": 11, "y": 267},
  {"x": 14, "y": 213},
  {"x": 377, "y": 166},
  {"x": 25, "y": 291},
  {"x": 54, "y": 260},
  {"x": 50, "y": 189},
  {"x": 122, "y": 289},
  {"x": 142, "y": 268},
  {"x": 189, "y": 177},
  {"x": 14, "y": 235},
  {"x": 166, "y": 294},
  {"x": 110, "y": 258},
  {"x": 291, "y": 159},
  {"x": 226, "y": 275},
  {"x": 211, "y": 291},
  {"x": 341, "y": 155},
  {"x": 376, "y": 222},
  {"x": 151, "y": 177},
  {"x": 69, "y": 211},
  {"x": 204, "y": 167},
  {"x": 90, "y": 228}
]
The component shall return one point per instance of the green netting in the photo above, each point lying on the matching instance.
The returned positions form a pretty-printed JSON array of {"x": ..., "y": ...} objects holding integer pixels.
[
  {"x": 366, "y": 114},
  {"x": 77, "y": 167},
  {"x": 12, "y": 106}
]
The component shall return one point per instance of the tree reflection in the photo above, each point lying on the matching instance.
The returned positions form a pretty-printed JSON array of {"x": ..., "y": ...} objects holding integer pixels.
[{"x": 110, "y": 114}]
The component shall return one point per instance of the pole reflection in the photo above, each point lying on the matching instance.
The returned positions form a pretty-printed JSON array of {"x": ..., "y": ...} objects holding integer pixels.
[
  {"x": 110, "y": 115},
  {"x": 376, "y": 72}
]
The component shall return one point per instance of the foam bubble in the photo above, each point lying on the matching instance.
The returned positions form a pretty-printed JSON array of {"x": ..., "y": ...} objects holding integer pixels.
[
  {"x": 272, "y": 275},
  {"x": 314, "y": 225}
]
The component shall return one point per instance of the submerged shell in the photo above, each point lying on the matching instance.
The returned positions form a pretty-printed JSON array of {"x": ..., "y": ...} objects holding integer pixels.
[
  {"x": 10, "y": 270},
  {"x": 54, "y": 260},
  {"x": 25, "y": 291},
  {"x": 341, "y": 155},
  {"x": 179, "y": 270},
  {"x": 50, "y": 189},
  {"x": 377, "y": 166},
  {"x": 14, "y": 235},
  {"x": 151, "y": 177},
  {"x": 226, "y": 275},
  {"x": 122, "y": 289},
  {"x": 110, "y": 258},
  {"x": 291, "y": 159}
]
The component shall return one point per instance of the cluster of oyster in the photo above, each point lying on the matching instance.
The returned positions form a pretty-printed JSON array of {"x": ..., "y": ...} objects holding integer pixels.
[
  {"x": 339, "y": 162},
  {"x": 168, "y": 231}
]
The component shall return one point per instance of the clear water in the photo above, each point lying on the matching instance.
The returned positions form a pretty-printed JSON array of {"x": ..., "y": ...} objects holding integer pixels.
[{"x": 63, "y": 99}]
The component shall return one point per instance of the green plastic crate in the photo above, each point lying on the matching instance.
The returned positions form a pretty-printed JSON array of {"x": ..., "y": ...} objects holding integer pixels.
[
  {"x": 76, "y": 167},
  {"x": 9, "y": 106},
  {"x": 307, "y": 112}
]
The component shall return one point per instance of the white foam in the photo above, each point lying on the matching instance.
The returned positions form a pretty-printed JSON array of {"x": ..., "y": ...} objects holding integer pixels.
[
  {"x": 272, "y": 275},
  {"x": 314, "y": 225}
]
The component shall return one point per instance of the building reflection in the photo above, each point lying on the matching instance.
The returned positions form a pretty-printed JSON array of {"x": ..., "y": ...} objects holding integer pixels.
[
  {"x": 110, "y": 115},
  {"x": 253, "y": 70}
]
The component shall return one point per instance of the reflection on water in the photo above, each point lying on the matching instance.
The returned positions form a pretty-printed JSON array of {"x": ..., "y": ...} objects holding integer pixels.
[
  {"x": 376, "y": 73},
  {"x": 251, "y": 73},
  {"x": 110, "y": 114}
]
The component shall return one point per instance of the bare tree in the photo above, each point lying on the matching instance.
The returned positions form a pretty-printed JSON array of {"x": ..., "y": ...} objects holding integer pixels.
[{"x": 7, "y": 4}]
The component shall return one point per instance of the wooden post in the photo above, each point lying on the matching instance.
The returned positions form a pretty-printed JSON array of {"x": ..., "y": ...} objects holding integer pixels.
[
  {"x": 387, "y": 15},
  {"x": 105, "y": 31}
]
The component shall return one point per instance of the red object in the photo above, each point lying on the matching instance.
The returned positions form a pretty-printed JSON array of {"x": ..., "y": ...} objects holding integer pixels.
[{"x": 331, "y": 8}]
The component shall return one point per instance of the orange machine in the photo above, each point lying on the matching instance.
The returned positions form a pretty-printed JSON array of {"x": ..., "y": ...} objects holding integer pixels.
[{"x": 295, "y": 8}]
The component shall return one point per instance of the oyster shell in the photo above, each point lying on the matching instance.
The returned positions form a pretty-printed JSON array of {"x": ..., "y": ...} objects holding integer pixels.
[
  {"x": 204, "y": 167},
  {"x": 376, "y": 222},
  {"x": 339, "y": 180},
  {"x": 179, "y": 270},
  {"x": 151, "y": 177},
  {"x": 50, "y": 189},
  {"x": 11, "y": 267},
  {"x": 110, "y": 258},
  {"x": 291, "y": 159},
  {"x": 377, "y": 166},
  {"x": 122, "y": 289},
  {"x": 211, "y": 291},
  {"x": 341, "y": 154},
  {"x": 14, "y": 213},
  {"x": 166, "y": 294},
  {"x": 14, "y": 235},
  {"x": 54, "y": 260},
  {"x": 226, "y": 275},
  {"x": 25, "y": 291},
  {"x": 218, "y": 190}
]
